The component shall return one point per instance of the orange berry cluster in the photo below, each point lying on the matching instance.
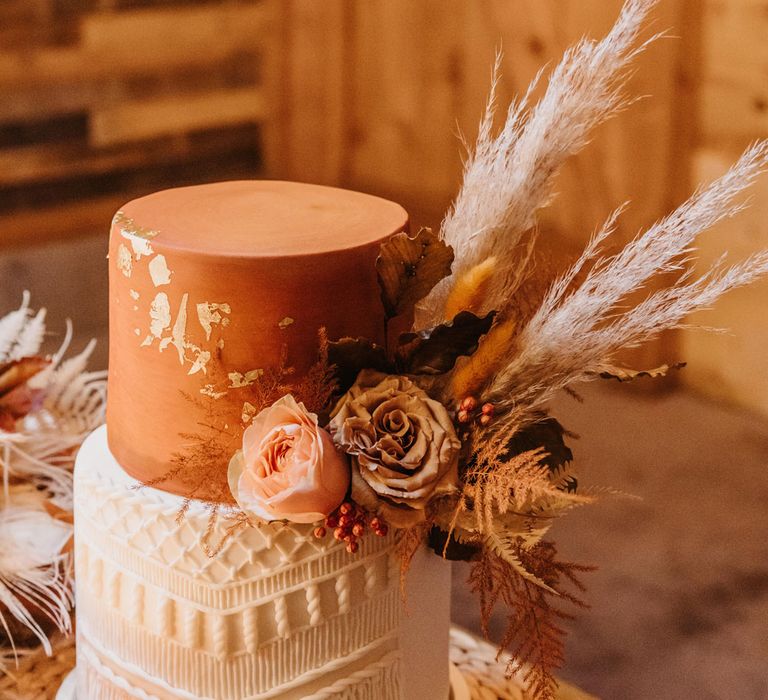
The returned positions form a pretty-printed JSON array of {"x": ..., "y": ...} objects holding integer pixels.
[
  {"x": 468, "y": 410},
  {"x": 349, "y": 523}
]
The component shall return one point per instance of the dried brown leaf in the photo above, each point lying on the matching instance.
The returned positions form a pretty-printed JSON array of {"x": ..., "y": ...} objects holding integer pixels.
[
  {"x": 408, "y": 268},
  {"x": 623, "y": 374},
  {"x": 435, "y": 351},
  {"x": 350, "y": 355}
]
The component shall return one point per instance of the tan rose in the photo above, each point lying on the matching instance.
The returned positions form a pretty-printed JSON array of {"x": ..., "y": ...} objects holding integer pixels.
[
  {"x": 403, "y": 444},
  {"x": 289, "y": 468}
]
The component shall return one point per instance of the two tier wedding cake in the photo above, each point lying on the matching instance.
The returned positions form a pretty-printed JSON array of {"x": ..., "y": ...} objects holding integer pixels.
[
  {"x": 216, "y": 290},
  {"x": 304, "y": 395}
]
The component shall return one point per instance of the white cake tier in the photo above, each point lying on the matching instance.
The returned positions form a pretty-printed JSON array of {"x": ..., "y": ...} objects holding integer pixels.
[{"x": 276, "y": 614}]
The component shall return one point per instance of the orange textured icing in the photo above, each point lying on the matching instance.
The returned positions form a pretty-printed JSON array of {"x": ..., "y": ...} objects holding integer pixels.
[{"x": 224, "y": 276}]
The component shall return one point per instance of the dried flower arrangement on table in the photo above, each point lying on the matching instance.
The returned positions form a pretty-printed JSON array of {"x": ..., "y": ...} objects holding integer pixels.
[
  {"x": 48, "y": 404},
  {"x": 443, "y": 433}
]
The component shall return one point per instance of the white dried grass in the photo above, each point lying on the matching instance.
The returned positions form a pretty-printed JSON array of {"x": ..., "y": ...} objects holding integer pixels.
[
  {"x": 576, "y": 332},
  {"x": 509, "y": 176}
]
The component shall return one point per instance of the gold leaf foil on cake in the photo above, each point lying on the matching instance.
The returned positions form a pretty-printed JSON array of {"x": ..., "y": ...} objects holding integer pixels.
[
  {"x": 128, "y": 227},
  {"x": 179, "y": 332},
  {"x": 210, "y": 391},
  {"x": 138, "y": 236},
  {"x": 160, "y": 317},
  {"x": 141, "y": 247},
  {"x": 238, "y": 379},
  {"x": 200, "y": 362},
  {"x": 249, "y": 411},
  {"x": 287, "y": 321},
  {"x": 158, "y": 271},
  {"x": 124, "y": 260},
  {"x": 208, "y": 315},
  {"x": 188, "y": 352}
]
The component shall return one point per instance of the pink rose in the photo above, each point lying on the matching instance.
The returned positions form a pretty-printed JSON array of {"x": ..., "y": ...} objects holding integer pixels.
[{"x": 289, "y": 468}]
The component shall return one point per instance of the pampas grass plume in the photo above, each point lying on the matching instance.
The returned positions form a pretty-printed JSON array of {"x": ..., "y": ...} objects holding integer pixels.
[{"x": 509, "y": 174}]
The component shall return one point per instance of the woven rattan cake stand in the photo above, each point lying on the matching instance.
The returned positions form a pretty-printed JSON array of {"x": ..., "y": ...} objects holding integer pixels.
[{"x": 475, "y": 674}]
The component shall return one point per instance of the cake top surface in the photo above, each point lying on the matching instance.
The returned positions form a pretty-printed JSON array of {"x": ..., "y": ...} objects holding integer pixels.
[
  {"x": 261, "y": 218},
  {"x": 213, "y": 286}
]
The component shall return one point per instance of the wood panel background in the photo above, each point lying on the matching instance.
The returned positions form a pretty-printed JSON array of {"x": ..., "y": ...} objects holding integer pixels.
[
  {"x": 414, "y": 75},
  {"x": 103, "y": 100},
  {"x": 107, "y": 99},
  {"x": 732, "y": 113}
]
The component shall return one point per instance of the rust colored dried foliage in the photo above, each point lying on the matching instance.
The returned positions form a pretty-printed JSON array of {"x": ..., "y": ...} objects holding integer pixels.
[
  {"x": 534, "y": 633},
  {"x": 318, "y": 387},
  {"x": 315, "y": 389},
  {"x": 201, "y": 466},
  {"x": 407, "y": 543}
]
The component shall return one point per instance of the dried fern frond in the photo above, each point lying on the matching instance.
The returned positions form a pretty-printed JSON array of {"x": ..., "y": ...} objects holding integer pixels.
[
  {"x": 317, "y": 388},
  {"x": 576, "y": 332},
  {"x": 238, "y": 521},
  {"x": 515, "y": 496},
  {"x": 509, "y": 175},
  {"x": 407, "y": 543},
  {"x": 534, "y": 634},
  {"x": 200, "y": 467},
  {"x": 272, "y": 383},
  {"x": 507, "y": 548}
]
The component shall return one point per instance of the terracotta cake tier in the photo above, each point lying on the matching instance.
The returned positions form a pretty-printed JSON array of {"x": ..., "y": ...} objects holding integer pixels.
[{"x": 210, "y": 285}]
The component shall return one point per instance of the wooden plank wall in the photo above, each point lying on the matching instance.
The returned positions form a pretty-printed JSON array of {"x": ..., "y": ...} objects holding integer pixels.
[
  {"x": 417, "y": 73},
  {"x": 103, "y": 100},
  {"x": 733, "y": 112},
  {"x": 374, "y": 94},
  {"x": 106, "y": 99}
]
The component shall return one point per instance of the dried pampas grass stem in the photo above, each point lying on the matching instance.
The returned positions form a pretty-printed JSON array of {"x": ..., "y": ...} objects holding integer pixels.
[
  {"x": 576, "y": 332},
  {"x": 508, "y": 177}
]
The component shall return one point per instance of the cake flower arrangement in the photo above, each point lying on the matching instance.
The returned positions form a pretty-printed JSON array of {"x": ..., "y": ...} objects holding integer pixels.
[{"x": 442, "y": 434}]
